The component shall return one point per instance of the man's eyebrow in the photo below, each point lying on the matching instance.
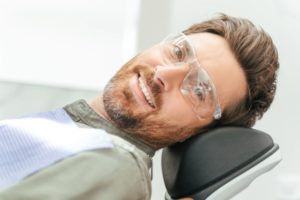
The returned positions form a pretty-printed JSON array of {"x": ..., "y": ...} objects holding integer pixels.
[{"x": 191, "y": 50}]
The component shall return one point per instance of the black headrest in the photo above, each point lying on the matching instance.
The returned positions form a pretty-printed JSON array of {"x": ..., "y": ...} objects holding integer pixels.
[{"x": 203, "y": 163}]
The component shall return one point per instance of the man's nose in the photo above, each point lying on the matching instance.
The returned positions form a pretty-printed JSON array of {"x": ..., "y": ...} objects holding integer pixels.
[{"x": 170, "y": 76}]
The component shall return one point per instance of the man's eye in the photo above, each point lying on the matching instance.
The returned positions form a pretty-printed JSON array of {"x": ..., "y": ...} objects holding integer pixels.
[
  {"x": 200, "y": 93},
  {"x": 179, "y": 53}
]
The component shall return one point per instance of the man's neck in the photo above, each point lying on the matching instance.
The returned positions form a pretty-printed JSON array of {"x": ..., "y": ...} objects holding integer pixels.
[{"x": 98, "y": 106}]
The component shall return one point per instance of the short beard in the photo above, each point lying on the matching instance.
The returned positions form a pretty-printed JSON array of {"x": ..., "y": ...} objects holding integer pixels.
[
  {"x": 116, "y": 111},
  {"x": 147, "y": 127}
]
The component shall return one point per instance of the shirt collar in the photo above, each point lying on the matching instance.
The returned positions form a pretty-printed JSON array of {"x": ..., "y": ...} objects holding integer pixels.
[{"x": 80, "y": 111}]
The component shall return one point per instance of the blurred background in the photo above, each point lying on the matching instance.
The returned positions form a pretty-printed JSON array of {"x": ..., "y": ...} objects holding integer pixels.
[{"x": 53, "y": 52}]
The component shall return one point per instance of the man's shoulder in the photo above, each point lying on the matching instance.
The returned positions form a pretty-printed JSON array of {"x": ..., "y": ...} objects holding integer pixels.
[{"x": 86, "y": 173}]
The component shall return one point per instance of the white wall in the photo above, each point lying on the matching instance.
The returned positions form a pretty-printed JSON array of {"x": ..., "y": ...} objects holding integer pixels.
[{"x": 71, "y": 43}]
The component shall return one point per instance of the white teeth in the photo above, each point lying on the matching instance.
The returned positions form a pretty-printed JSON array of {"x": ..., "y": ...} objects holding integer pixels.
[{"x": 145, "y": 91}]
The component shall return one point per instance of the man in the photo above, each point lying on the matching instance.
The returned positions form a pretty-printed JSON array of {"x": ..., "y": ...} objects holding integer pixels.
[{"x": 218, "y": 72}]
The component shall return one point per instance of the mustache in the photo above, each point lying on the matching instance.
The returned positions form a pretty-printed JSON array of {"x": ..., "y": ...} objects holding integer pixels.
[{"x": 155, "y": 88}]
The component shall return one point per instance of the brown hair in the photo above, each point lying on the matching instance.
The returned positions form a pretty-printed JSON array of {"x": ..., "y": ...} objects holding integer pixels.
[{"x": 257, "y": 55}]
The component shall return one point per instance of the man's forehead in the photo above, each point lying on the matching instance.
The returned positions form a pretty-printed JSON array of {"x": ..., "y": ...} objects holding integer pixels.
[
  {"x": 215, "y": 56},
  {"x": 208, "y": 45}
]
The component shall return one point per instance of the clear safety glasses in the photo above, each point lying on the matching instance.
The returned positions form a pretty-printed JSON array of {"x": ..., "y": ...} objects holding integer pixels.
[{"x": 197, "y": 87}]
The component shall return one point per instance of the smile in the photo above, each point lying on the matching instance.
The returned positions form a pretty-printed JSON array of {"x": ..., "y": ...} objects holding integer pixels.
[{"x": 146, "y": 92}]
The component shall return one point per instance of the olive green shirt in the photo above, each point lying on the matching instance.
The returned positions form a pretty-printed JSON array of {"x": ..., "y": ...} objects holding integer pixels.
[{"x": 119, "y": 173}]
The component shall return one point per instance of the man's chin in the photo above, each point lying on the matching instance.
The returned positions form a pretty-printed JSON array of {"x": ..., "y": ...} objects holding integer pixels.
[
  {"x": 122, "y": 121},
  {"x": 117, "y": 111}
]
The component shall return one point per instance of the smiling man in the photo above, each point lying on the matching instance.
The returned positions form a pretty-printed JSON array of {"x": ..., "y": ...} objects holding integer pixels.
[
  {"x": 168, "y": 92},
  {"x": 218, "y": 72}
]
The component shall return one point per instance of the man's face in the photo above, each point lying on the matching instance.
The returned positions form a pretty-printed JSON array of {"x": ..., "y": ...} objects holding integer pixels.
[{"x": 145, "y": 98}]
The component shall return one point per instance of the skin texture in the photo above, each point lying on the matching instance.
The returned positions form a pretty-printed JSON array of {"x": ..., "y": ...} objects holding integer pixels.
[{"x": 172, "y": 118}]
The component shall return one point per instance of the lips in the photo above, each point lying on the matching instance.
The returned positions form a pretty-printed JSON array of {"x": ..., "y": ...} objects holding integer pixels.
[
  {"x": 146, "y": 92},
  {"x": 141, "y": 92}
]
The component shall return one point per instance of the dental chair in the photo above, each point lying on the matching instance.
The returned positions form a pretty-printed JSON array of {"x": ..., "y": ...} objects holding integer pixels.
[{"x": 218, "y": 164}]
